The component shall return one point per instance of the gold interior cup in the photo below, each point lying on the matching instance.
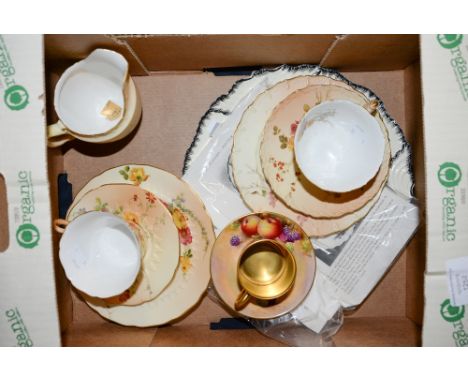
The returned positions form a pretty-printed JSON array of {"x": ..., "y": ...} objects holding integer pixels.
[{"x": 266, "y": 271}]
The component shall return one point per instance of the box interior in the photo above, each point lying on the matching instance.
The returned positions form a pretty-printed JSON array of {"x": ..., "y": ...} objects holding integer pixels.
[{"x": 174, "y": 77}]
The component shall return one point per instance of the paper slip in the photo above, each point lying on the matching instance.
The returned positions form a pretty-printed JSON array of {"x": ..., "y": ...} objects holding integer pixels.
[
  {"x": 457, "y": 278},
  {"x": 349, "y": 272}
]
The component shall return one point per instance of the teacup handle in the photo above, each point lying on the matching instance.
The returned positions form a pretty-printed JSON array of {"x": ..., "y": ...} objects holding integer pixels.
[
  {"x": 242, "y": 300},
  {"x": 60, "y": 225},
  {"x": 372, "y": 106},
  {"x": 57, "y": 135}
]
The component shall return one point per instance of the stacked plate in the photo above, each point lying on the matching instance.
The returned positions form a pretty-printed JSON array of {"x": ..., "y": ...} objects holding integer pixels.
[
  {"x": 178, "y": 237},
  {"x": 264, "y": 168},
  {"x": 251, "y": 132}
]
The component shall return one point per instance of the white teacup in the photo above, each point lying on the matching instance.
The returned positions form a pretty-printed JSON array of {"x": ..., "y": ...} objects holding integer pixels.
[
  {"x": 339, "y": 146},
  {"x": 100, "y": 253},
  {"x": 96, "y": 101}
]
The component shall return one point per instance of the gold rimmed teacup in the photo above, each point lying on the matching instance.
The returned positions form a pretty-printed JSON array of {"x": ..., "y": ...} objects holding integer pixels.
[{"x": 266, "y": 271}]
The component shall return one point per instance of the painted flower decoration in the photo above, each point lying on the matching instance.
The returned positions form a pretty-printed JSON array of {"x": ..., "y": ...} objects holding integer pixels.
[
  {"x": 137, "y": 175},
  {"x": 131, "y": 217},
  {"x": 80, "y": 211},
  {"x": 150, "y": 197},
  {"x": 291, "y": 143},
  {"x": 179, "y": 219},
  {"x": 186, "y": 260},
  {"x": 294, "y": 127},
  {"x": 185, "y": 236},
  {"x": 272, "y": 199},
  {"x": 100, "y": 206}
]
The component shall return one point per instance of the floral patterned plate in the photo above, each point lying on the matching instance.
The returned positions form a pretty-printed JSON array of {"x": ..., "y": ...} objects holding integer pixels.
[
  {"x": 140, "y": 208},
  {"x": 247, "y": 168},
  {"x": 196, "y": 239},
  {"x": 230, "y": 244},
  {"x": 282, "y": 172}
]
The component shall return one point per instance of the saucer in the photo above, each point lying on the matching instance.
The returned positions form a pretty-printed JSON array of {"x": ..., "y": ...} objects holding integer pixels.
[
  {"x": 196, "y": 238},
  {"x": 247, "y": 169},
  {"x": 282, "y": 172},
  {"x": 230, "y": 244},
  {"x": 160, "y": 255}
]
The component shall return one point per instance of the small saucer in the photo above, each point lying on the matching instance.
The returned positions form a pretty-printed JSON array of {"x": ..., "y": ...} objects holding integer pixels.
[{"x": 230, "y": 245}]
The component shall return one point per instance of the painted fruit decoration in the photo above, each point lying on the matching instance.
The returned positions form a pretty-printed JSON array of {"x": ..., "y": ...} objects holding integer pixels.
[
  {"x": 249, "y": 225},
  {"x": 264, "y": 225},
  {"x": 272, "y": 226},
  {"x": 269, "y": 228}
]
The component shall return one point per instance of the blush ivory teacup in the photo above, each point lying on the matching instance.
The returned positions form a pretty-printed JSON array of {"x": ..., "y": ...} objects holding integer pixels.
[{"x": 339, "y": 145}]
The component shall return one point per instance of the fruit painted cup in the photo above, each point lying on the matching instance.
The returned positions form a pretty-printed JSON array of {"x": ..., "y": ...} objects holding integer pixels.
[
  {"x": 262, "y": 265},
  {"x": 266, "y": 268},
  {"x": 266, "y": 271}
]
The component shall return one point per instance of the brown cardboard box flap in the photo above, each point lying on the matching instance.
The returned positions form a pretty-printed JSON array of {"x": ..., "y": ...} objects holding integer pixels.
[
  {"x": 198, "y": 52},
  {"x": 372, "y": 52}
]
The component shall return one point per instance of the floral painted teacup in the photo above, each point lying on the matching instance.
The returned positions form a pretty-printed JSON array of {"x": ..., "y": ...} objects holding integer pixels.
[
  {"x": 100, "y": 253},
  {"x": 151, "y": 219}
]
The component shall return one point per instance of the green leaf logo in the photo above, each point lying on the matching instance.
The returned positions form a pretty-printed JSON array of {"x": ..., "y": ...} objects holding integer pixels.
[
  {"x": 27, "y": 235},
  {"x": 16, "y": 97},
  {"x": 449, "y": 174},
  {"x": 451, "y": 313},
  {"x": 449, "y": 41}
]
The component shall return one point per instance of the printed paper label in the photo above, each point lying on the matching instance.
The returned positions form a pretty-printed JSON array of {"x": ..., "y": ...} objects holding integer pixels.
[{"x": 457, "y": 277}]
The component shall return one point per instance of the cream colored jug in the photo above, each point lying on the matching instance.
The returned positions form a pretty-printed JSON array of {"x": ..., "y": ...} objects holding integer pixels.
[{"x": 96, "y": 101}]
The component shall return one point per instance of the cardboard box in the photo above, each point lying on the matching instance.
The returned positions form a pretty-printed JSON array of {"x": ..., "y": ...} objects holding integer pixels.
[
  {"x": 172, "y": 75},
  {"x": 445, "y": 86},
  {"x": 28, "y": 306}
]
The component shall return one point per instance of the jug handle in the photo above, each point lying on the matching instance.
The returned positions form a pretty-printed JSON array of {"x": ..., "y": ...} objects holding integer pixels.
[
  {"x": 57, "y": 134},
  {"x": 60, "y": 225}
]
